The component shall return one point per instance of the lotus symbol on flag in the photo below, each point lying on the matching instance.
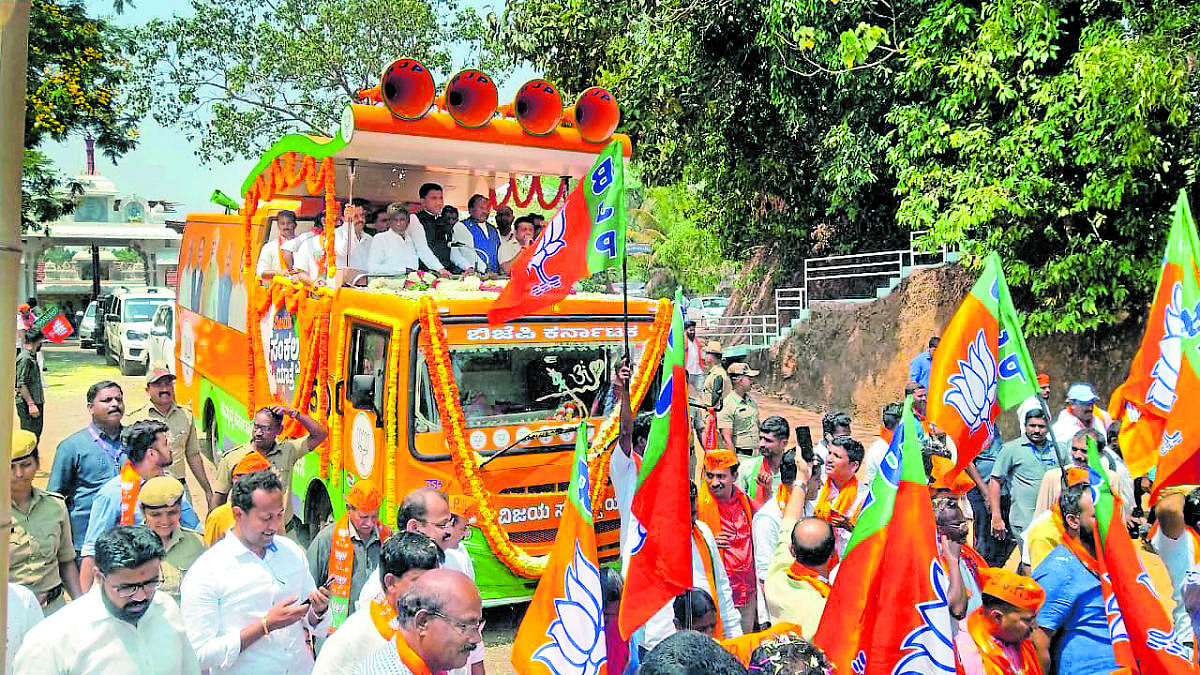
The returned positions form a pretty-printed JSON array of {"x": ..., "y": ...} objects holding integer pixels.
[
  {"x": 1116, "y": 622},
  {"x": 576, "y": 645},
  {"x": 972, "y": 390},
  {"x": 548, "y": 245},
  {"x": 933, "y": 642},
  {"x": 1169, "y": 441},
  {"x": 1178, "y": 323}
]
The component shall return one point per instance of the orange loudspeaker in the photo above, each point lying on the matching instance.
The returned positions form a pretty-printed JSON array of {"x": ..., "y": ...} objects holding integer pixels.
[
  {"x": 538, "y": 107},
  {"x": 595, "y": 114},
  {"x": 407, "y": 89},
  {"x": 470, "y": 98}
]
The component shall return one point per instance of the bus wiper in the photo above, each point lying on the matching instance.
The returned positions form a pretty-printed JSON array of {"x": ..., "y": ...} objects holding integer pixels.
[{"x": 540, "y": 433}]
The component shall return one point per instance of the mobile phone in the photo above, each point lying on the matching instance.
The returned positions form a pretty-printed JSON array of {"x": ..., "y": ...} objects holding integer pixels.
[
  {"x": 804, "y": 441},
  {"x": 305, "y": 601}
]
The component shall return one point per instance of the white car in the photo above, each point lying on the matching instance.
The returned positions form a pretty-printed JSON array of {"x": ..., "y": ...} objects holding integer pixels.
[
  {"x": 704, "y": 309},
  {"x": 87, "y": 325},
  {"x": 162, "y": 338},
  {"x": 127, "y": 327}
]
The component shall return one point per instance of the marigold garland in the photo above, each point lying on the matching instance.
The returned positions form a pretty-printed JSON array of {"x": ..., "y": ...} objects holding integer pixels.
[
  {"x": 466, "y": 466},
  {"x": 392, "y": 424},
  {"x": 335, "y": 430}
]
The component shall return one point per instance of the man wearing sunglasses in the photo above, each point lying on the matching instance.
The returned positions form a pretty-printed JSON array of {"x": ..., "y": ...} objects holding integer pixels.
[{"x": 121, "y": 625}]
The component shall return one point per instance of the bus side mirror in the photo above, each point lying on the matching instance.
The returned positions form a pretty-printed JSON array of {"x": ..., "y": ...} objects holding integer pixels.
[
  {"x": 362, "y": 391},
  {"x": 159, "y": 330}
]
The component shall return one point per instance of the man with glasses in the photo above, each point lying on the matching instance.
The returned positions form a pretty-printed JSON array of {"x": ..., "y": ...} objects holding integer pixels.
[
  {"x": 248, "y": 601},
  {"x": 122, "y": 625},
  {"x": 440, "y": 623}
]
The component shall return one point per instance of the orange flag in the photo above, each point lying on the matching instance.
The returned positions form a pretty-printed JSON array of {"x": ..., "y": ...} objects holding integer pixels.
[{"x": 563, "y": 629}]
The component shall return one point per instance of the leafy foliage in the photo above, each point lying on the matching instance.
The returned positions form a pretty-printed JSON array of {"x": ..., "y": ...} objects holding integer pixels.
[
  {"x": 235, "y": 76},
  {"x": 1056, "y": 133},
  {"x": 77, "y": 78}
]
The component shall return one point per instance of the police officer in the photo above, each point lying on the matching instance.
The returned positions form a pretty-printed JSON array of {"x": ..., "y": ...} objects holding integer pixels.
[
  {"x": 41, "y": 551},
  {"x": 161, "y": 498},
  {"x": 738, "y": 419}
]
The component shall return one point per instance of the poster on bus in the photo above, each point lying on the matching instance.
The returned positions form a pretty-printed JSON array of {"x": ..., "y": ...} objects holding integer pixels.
[{"x": 281, "y": 352}]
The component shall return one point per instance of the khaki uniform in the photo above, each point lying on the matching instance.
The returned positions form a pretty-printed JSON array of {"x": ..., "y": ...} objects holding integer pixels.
[
  {"x": 183, "y": 548},
  {"x": 184, "y": 439},
  {"x": 282, "y": 458},
  {"x": 741, "y": 416},
  {"x": 41, "y": 541},
  {"x": 717, "y": 386}
]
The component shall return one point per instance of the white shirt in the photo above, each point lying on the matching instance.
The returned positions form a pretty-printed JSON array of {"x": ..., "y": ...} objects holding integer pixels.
[
  {"x": 1067, "y": 425},
  {"x": 229, "y": 587},
  {"x": 24, "y": 612},
  {"x": 459, "y": 560},
  {"x": 623, "y": 472},
  {"x": 764, "y": 530},
  {"x": 349, "y": 645},
  {"x": 662, "y": 625},
  {"x": 83, "y": 637},
  {"x": 270, "y": 260},
  {"x": 509, "y": 248},
  {"x": 871, "y": 461},
  {"x": 464, "y": 254},
  {"x": 391, "y": 253},
  {"x": 308, "y": 253}
]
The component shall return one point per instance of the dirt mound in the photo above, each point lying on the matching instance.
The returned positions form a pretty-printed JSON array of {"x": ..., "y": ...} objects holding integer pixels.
[{"x": 854, "y": 357}]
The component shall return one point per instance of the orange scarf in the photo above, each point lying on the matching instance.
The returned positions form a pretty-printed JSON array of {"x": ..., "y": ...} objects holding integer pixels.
[
  {"x": 992, "y": 654},
  {"x": 743, "y": 647},
  {"x": 782, "y": 494},
  {"x": 843, "y": 503},
  {"x": 706, "y": 559},
  {"x": 801, "y": 572},
  {"x": 886, "y": 434},
  {"x": 709, "y": 514},
  {"x": 341, "y": 569},
  {"x": 410, "y": 658},
  {"x": 131, "y": 485},
  {"x": 283, "y": 266},
  {"x": 383, "y": 615}
]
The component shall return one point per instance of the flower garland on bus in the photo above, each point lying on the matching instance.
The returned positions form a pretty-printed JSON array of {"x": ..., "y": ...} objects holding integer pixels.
[
  {"x": 335, "y": 428},
  {"x": 466, "y": 465},
  {"x": 392, "y": 423}
]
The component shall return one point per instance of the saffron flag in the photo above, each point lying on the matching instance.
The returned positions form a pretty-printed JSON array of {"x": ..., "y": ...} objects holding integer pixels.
[
  {"x": 1178, "y": 446},
  {"x": 980, "y": 367},
  {"x": 660, "y": 562},
  {"x": 888, "y": 611},
  {"x": 1144, "y": 401},
  {"x": 587, "y": 235},
  {"x": 1143, "y": 635},
  {"x": 563, "y": 629}
]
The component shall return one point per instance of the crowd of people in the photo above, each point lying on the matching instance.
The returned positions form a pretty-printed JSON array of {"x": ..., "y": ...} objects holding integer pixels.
[
  {"x": 400, "y": 238},
  {"x": 112, "y": 570}
]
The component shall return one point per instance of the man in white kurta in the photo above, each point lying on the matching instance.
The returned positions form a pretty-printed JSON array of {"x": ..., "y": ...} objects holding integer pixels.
[
  {"x": 254, "y": 587},
  {"x": 122, "y": 625}
]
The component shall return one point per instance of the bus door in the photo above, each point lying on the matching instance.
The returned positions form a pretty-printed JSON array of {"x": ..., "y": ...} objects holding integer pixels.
[{"x": 360, "y": 398}]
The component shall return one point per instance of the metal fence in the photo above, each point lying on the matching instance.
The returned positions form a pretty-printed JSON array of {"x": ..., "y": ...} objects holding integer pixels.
[{"x": 753, "y": 330}]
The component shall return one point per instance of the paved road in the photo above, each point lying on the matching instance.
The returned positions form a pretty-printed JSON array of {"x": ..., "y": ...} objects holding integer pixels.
[{"x": 71, "y": 371}]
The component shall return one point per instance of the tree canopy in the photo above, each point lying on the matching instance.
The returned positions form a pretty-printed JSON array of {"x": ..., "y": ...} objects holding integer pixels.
[
  {"x": 1056, "y": 133},
  {"x": 235, "y": 76}
]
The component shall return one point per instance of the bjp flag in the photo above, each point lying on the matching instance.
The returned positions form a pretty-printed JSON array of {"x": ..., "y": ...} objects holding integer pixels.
[
  {"x": 980, "y": 367},
  {"x": 888, "y": 611},
  {"x": 586, "y": 236},
  {"x": 1144, "y": 401},
  {"x": 563, "y": 629}
]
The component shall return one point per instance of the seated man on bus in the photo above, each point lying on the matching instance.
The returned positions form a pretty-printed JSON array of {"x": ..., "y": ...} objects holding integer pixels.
[
  {"x": 476, "y": 242},
  {"x": 276, "y": 254},
  {"x": 351, "y": 246},
  {"x": 400, "y": 248}
]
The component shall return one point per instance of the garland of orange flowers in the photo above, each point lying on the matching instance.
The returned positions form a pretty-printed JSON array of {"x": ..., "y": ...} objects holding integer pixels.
[
  {"x": 391, "y": 424},
  {"x": 466, "y": 465}
]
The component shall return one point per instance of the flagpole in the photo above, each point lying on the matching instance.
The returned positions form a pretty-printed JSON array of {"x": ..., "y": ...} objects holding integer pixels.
[{"x": 625, "y": 300}]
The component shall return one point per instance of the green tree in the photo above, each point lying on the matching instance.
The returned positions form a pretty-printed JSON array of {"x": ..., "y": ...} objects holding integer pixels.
[
  {"x": 235, "y": 76},
  {"x": 77, "y": 79}
]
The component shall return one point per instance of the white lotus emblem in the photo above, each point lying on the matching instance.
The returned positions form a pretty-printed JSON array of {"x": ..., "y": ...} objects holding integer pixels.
[
  {"x": 1178, "y": 323},
  {"x": 972, "y": 390},
  {"x": 931, "y": 645},
  {"x": 576, "y": 644}
]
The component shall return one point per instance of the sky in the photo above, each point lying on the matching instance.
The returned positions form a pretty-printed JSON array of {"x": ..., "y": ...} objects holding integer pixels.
[{"x": 165, "y": 165}]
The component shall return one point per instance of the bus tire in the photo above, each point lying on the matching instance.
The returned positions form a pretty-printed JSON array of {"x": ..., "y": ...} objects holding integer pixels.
[{"x": 318, "y": 512}]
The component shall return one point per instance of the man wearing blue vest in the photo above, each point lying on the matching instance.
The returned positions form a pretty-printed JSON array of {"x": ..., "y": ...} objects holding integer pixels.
[{"x": 476, "y": 243}]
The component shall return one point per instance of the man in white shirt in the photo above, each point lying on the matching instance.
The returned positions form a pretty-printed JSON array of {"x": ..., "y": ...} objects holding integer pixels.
[
  {"x": 764, "y": 526},
  {"x": 24, "y": 612},
  {"x": 1081, "y": 413},
  {"x": 400, "y": 248},
  {"x": 121, "y": 625},
  {"x": 833, "y": 424},
  {"x": 403, "y": 559},
  {"x": 248, "y": 600},
  {"x": 509, "y": 248},
  {"x": 879, "y": 447},
  {"x": 476, "y": 243},
  {"x": 275, "y": 256},
  {"x": 351, "y": 248}
]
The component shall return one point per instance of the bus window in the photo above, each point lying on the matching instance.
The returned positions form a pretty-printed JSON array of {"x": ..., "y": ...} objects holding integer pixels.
[
  {"x": 368, "y": 356},
  {"x": 427, "y": 417}
]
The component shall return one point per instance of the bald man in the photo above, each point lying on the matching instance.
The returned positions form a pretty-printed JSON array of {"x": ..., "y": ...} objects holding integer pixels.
[
  {"x": 440, "y": 622},
  {"x": 797, "y": 583}
]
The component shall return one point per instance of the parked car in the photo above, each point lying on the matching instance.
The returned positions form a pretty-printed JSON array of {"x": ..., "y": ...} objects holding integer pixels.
[
  {"x": 87, "y": 326},
  {"x": 127, "y": 326},
  {"x": 704, "y": 309},
  {"x": 162, "y": 338}
]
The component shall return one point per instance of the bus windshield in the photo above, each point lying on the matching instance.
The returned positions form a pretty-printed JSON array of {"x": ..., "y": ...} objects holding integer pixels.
[{"x": 521, "y": 384}]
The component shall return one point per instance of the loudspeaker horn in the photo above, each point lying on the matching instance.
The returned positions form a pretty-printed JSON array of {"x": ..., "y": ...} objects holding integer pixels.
[
  {"x": 595, "y": 114},
  {"x": 407, "y": 89},
  {"x": 537, "y": 106},
  {"x": 470, "y": 98}
]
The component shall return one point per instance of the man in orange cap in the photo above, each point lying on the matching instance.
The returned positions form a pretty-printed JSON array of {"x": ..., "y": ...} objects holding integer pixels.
[
  {"x": 727, "y": 511},
  {"x": 344, "y": 552},
  {"x": 220, "y": 519},
  {"x": 996, "y": 639}
]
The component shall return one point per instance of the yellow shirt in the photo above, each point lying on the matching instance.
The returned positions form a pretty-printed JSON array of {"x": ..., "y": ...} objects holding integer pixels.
[
  {"x": 218, "y": 523},
  {"x": 787, "y": 600},
  {"x": 40, "y": 542},
  {"x": 282, "y": 458},
  {"x": 1040, "y": 538},
  {"x": 184, "y": 440}
]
